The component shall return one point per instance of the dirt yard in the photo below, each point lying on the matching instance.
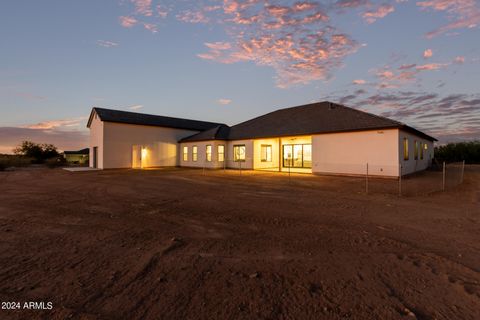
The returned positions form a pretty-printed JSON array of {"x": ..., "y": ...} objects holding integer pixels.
[{"x": 176, "y": 244}]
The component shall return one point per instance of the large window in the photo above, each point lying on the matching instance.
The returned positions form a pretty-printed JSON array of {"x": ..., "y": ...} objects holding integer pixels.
[
  {"x": 185, "y": 153},
  {"x": 415, "y": 151},
  {"x": 405, "y": 149},
  {"x": 266, "y": 152},
  {"x": 297, "y": 155},
  {"x": 194, "y": 153},
  {"x": 221, "y": 153},
  {"x": 208, "y": 152},
  {"x": 239, "y": 152}
]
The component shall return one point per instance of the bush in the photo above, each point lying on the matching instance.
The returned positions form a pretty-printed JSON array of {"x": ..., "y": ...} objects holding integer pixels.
[
  {"x": 39, "y": 152},
  {"x": 55, "y": 162},
  {"x": 452, "y": 152}
]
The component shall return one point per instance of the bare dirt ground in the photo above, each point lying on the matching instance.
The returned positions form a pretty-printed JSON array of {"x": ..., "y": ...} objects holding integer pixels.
[{"x": 175, "y": 244}]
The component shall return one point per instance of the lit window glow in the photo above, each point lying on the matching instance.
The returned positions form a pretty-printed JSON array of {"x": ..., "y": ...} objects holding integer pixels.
[
  {"x": 239, "y": 152},
  {"x": 208, "y": 151},
  {"x": 221, "y": 153}
]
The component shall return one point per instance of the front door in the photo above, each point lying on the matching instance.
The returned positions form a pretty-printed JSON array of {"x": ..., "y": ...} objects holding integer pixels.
[
  {"x": 95, "y": 157},
  {"x": 136, "y": 157}
]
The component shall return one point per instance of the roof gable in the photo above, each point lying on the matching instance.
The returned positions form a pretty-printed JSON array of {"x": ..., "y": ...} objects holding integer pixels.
[{"x": 118, "y": 116}]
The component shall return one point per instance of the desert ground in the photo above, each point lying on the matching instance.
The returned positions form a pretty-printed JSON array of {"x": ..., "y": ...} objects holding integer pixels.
[{"x": 180, "y": 244}]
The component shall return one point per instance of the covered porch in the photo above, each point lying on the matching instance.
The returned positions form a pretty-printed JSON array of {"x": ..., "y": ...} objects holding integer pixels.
[{"x": 283, "y": 154}]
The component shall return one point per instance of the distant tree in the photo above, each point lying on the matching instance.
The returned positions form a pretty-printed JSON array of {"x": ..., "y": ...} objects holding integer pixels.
[
  {"x": 468, "y": 151},
  {"x": 39, "y": 152}
]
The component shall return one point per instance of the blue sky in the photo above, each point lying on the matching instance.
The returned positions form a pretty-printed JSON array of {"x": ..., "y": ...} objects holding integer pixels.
[{"x": 228, "y": 61}]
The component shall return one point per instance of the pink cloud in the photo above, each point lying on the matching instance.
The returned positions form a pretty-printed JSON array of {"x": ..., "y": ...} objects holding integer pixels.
[
  {"x": 150, "y": 27},
  {"x": 128, "y": 22},
  {"x": 224, "y": 101},
  {"x": 380, "y": 12},
  {"x": 191, "y": 16},
  {"x": 427, "y": 53},
  {"x": 294, "y": 40},
  {"x": 459, "y": 60},
  {"x": 464, "y": 13},
  {"x": 359, "y": 81},
  {"x": 143, "y": 7},
  {"x": 57, "y": 124},
  {"x": 432, "y": 66}
]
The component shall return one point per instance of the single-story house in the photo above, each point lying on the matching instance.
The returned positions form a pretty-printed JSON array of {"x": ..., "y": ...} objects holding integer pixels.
[
  {"x": 324, "y": 138},
  {"x": 77, "y": 157}
]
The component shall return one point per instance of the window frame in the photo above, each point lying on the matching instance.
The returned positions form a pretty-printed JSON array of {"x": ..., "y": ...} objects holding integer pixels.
[
  {"x": 415, "y": 150},
  {"x": 185, "y": 153},
  {"x": 406, "y": 152},
  {"x": 292, "y": 160},
  {"x": 266, "y": 147},
  {"x": 221, "y": 158},
  {"x": 194, "y": 153},
  {"x": 421, "y": 151},
  {"x": 208, "y": 153},
  {"x": 235, "y": 159}
]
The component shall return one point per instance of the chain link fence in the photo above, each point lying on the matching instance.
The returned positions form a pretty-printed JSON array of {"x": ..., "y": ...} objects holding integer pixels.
[{"x": 359, "y": 178}]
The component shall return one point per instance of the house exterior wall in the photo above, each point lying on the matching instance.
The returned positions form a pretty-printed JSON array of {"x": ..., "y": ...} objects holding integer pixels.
[
  {"x": 248, "y": 163},
  {"x": 202, "y": 154},
  {"x": 349, "y": 152},
  {"x": 412, "y": 165},
  {"x": 257, "y": 152},
  {"x": 96, "y": 140},
  {"x": 160, "y": 144}
]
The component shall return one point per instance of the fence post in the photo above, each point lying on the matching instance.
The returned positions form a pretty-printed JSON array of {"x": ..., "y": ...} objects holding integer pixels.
[
  {"x": 463, "y": 171},
  {"x": 399, "y": 179},
  {"x": 443, "y": 177},
  {"x": 366, "y": 181}
]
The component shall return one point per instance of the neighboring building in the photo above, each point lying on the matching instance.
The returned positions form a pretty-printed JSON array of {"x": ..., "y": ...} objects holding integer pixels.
[
  {"x": 77, "y": 157},
  {"x": 323, "y": 137}
]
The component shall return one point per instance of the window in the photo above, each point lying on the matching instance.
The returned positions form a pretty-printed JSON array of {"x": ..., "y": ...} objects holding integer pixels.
[
  {"x": 194, "y": 153},
  {"x": 297, "y": 155},
  {"x": 266, "y": 153},
  {"x": 415, "y": 151},
  {"x": 405, "y": 149},
  {"x": 421, "y": 151},
  {"x": 239, "y": 152},
  {"x": 221, "y": 153},
  {"x": 208, "y": 151},
  {"x": 185, "y": 153}
]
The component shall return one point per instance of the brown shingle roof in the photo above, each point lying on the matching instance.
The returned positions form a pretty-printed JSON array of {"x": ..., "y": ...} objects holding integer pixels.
[
  {"x": 109, "y": 115},
  {"x": 321, "y": 117}
]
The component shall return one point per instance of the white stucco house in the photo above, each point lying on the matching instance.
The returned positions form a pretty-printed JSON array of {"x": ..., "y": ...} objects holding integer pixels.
[{"x": 323, "y": 138}]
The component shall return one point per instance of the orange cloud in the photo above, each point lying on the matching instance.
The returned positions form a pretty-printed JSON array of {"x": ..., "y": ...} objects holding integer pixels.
[
  {"x": 464, "y": 13},
  {"x": 427, "y": 53},
  {"x": 127, "y": 22},
  {"x": 432, "y": 66},
  {"x": 380, "y": 12},
  {"x": 224, "y": 101},
  {"x": 57, "y": 124},
  {"x": 294, "y": 40},
  {"x": 359, "y": 81}
]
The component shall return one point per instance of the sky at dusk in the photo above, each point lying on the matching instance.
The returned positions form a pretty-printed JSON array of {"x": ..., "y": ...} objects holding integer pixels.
[{"x": 228, "y": 61}]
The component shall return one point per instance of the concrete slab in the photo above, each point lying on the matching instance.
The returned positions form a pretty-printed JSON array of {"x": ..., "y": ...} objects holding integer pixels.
[{"x": 80, "y": 169}]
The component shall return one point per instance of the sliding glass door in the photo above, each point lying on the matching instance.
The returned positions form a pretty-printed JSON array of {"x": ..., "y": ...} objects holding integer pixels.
[{"x": 297, "y": 155}]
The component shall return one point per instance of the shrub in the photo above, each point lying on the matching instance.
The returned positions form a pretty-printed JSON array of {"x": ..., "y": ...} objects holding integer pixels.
[
  {"x": 452, "y": 152},
  {"x": 39, "y": 152}
]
